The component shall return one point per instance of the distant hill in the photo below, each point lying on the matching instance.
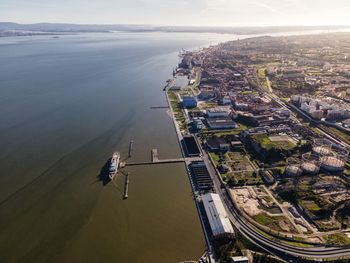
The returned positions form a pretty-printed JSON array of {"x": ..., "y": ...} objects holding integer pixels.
[{"x": 53, "y": 27}]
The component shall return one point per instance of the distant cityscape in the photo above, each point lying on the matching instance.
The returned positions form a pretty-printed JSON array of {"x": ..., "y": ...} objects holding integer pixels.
[{"x": 15, "y": 29}]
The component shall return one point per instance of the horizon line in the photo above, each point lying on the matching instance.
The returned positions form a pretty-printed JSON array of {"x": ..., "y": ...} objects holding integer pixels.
[{"x": 169, "y": 25}]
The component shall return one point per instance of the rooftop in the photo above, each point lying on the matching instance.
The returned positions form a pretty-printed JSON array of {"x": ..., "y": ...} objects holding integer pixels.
[{"x": 217, "y": 216}]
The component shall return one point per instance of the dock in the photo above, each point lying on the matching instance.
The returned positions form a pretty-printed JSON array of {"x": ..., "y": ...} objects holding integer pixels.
[
  {"x": 159, "y": 107},
  {"x": 131, "y": 144},
  {"x": 126, "y": 186},
  {"x": 155, "y": 160},
  {"x": 179, "y": 160},
  {"x": 154, "y": 155}
]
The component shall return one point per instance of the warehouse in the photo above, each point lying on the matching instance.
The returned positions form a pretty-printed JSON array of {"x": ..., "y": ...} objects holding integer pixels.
[
  {"x": 221, "y": 123},
  {"x": 189, "y": 102},
  {"x": 201, "y": 176},
  {"x": 191, "y": 146},
  {"x": 219, "y": 222},
  {"x": 219, "y": 112}
]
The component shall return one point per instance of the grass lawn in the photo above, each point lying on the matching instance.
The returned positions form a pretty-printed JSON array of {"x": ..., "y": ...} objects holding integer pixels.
[
  {"x": 310, "y": 205},
  {"x": 176, "y": 107},
  {"x": 261, "y": 73},
  {"x": 267, "y": 144},
  {"x": 274, "y": 222},
  {"x": 338, "y": 239},
  {"x": 215, "y": 157}
]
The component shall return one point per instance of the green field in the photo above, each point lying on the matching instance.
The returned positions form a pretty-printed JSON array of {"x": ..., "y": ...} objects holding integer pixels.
[
  {"x": 266, "y": 143},
  {"x": 310, "y": 205},
  {"x": 176, "y": 107},
  {"x": 274, "y": 222},
  {"x": 338, "y": 239}
]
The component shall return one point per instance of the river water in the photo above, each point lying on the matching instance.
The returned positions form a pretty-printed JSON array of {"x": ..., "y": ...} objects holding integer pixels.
[{"x": 65, "y": 105}]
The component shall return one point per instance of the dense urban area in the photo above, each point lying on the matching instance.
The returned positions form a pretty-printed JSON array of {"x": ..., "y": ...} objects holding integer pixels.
[{"x": 269, "y": 120}]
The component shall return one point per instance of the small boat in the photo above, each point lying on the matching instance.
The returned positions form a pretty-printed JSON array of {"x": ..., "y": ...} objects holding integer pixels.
[{"x": 113, "y": 168}]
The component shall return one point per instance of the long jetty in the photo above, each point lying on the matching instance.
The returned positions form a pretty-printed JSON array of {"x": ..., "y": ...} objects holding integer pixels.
[
  {"x": 179, "y": 160},
  {"x": 126, "y": 186},
  {"x": 156, "y": 160},
  {"x": 131, "y": 144},
  {"x": 159, "y": 107}
]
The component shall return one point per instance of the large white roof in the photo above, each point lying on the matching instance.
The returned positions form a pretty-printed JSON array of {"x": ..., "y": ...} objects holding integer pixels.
[{"x": 216, "y": 213}]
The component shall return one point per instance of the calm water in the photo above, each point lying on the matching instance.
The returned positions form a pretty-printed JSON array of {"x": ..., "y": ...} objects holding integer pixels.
[{"x": 65, "y": 105}]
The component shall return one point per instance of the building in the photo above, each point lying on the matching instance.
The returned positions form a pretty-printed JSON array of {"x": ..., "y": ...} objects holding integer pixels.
[
  {"x": 221, "y": 123},
  {"x": 189, "y": 102},
  {"x": 219, "y": 222},
  {"x": 226, "y": 100},
  {"x": 239, "y": 260},
  {"x": 207, "y": 94},
  {"x": 317, "y": 114},
  {"x": 237, "y": 145},
  {"x": 191, "y": 146},
  {"x": 201, "y": 176},
  {"x": 218, "y": 112},
  {"x": 218, "y": 144},
  {"x": 179, "y": 83},
  {"x": 335, "y": 114},
  {"x": 197, "y": 124},
  {"x": 223, "y": 168}
]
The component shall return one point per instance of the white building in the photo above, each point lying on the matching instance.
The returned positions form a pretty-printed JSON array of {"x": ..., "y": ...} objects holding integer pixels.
[
  {"x": 219, "y": 222},
  {"x": 239, "y": 260}
]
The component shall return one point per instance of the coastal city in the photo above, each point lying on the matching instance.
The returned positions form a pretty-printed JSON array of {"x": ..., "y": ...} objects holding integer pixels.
[
  {"x": 175, "y": 131},
  {"x": 268, "y": 121}
]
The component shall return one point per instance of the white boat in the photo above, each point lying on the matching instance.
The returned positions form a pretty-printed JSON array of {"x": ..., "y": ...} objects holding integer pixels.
[{"x": 113, "y": 168}]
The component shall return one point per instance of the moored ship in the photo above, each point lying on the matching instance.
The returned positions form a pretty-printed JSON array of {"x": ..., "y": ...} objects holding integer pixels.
[{"x": 113, "y": 168}]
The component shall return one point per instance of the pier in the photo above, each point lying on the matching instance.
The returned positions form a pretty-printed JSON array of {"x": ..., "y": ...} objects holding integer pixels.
[
  {"x": 160, "y": 107},
  {"x": 126, "y": 186},
  {"x": 131, "y": 144},
  {"x": 156, "y": 160},
  {"x": 155, "y": 155}
]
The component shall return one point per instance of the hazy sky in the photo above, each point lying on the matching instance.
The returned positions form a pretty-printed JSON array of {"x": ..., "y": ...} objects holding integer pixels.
[{"x": 179, "y": 12}]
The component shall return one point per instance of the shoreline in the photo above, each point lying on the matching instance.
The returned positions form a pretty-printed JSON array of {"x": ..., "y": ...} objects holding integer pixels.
[{"x": 195, "y": 196}]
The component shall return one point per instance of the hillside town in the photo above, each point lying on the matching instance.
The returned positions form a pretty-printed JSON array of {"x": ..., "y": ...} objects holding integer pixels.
[{"x": 273, "y": 115}]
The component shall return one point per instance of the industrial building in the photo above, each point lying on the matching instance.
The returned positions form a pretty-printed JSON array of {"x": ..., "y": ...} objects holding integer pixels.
[
  {"x": 219, "y": 112},
  {"x": 191, "y": 146},
  {"x": 180, "y": 82},
  {"x": 217, "y": 144},
  {"x": 221, "y": 123},
  {"x": 189, "y": 102},
  {"x": 219, "y": 222},
  {"x": 201, "y": 176}
]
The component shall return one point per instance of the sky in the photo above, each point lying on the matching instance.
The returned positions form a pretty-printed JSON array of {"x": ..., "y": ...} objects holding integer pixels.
[{"x": 179, "y": 12}]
